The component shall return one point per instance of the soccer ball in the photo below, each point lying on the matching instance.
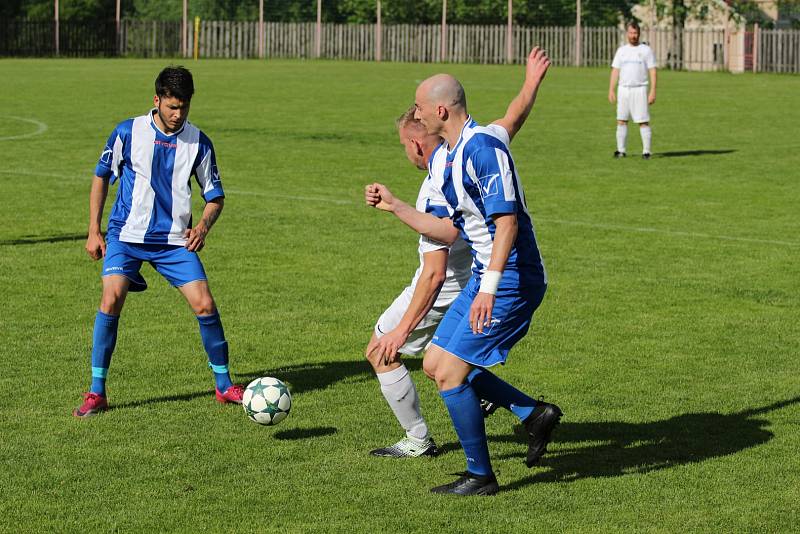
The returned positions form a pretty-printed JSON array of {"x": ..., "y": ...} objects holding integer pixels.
[{"x": 267, "y": 401}]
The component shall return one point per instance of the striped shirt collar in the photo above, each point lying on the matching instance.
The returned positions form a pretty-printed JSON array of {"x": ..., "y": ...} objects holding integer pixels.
[{"x": 159, "y": 130}]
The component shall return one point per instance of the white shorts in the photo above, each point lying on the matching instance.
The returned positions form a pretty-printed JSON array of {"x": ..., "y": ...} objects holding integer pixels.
[
  {"x": 421, "y": 337},
  {"x": 632, "y": 104}
]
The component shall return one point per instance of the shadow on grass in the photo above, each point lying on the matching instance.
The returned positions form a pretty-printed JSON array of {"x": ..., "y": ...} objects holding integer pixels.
[
  {"x": 183, "y": 397},
  {"x": 300, "y": 379},
  {"x": 685, "y": 153},
  {"x": 34, "y": 240},
  {"x": 314, "y": 376},
  {"x": 305, "y": 433},
  {"x": 610, "y": 449}
]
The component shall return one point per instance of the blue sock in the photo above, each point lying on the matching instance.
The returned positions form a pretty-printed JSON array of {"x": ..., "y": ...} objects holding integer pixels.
[
  {"x": 217, "y": 349},
  {"x": 489, "y": 387},
  {"x": 103, "y": 342},
  {"x": 465, "y": 411}
]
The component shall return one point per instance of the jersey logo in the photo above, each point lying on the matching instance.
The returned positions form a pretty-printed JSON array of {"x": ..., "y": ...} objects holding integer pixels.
[
  {"x": 105, "y": 157},
  {"x": 487, "y": 331},
  {"x": 489, "y": 185}
]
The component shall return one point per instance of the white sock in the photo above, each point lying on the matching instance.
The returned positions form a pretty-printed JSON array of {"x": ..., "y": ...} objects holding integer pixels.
[
  {"x": 622, "y": 134},
  {"x": 647, "y": 137},
  {"x": 399, "y": 391}
]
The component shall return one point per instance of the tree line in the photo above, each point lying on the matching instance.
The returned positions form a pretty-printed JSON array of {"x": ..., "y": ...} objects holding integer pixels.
[{"x": 525, "y": 12}]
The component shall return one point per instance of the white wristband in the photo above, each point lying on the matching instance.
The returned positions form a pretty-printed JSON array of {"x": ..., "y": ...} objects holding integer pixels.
[{"x": 489, "y": 282}]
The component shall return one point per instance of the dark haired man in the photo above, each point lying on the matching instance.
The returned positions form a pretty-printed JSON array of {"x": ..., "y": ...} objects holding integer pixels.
[
  {"x": 631, "y": 65},
  {"x": 154, "y": 157}
]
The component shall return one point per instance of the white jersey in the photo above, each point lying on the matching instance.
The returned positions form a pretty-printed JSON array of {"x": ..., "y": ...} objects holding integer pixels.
[
  {"x": 459, "y": 261},
  {"x": 633, "y": 63}
]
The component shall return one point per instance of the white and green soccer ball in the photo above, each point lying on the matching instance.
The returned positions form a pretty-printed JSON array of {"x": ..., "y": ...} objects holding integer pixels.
[{"x": 267, "y": 401}]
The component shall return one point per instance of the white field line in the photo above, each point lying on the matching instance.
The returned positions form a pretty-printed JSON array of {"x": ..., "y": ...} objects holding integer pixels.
[
  {"x": 290, "y": 197},
  {"x": 40, "y": 128},
  {"x": 600, "y": 226}
]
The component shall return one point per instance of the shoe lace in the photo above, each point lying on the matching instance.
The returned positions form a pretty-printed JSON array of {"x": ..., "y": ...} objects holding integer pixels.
[{"x": 407, "y": 444}]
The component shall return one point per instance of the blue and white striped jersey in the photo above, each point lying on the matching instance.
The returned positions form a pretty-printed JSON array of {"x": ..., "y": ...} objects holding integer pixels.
[
  {"x": 479, "y": 180},
  {"x": 154, "y": 198}
]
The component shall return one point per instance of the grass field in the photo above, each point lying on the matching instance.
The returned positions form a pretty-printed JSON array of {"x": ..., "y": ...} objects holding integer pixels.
[{"x": 669, "y": 334}]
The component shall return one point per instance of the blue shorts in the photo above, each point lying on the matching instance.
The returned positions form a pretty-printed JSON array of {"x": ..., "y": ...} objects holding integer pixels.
[
  {"x": 173, "y": 262},
  {"x": 511, "y": 317}
]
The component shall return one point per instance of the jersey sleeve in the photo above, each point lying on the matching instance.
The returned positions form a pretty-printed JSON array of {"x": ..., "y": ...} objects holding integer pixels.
[
  {"x": 617, "y": 62},
  {"x": 427, "y": 244},
  {"x": 111, "y": 157},
  {"x": 490, "y": 169},
  {"x": 500, "y": 132},
  {"x": 435, "y": 204},
  {"x": 206, "y": 171},
  {"x": 650, "y": 60}
]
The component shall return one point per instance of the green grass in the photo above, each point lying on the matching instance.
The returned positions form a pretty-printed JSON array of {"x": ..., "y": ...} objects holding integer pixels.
[{"x": 669, "y": 333}]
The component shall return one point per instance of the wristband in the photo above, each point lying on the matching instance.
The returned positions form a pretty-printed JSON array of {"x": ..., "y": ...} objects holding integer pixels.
[{"x": 489, "y": 282}]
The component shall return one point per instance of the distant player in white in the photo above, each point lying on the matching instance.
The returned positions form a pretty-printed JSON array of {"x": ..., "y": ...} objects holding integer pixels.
[
  {"x": 408, "y": 325},
  {"x": 631, "y": 66}
]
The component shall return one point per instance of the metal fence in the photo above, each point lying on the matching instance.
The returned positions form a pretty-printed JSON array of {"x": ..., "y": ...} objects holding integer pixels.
[
  {"x": 75, "y": 39},
  {"x": 688, "y": 49}
]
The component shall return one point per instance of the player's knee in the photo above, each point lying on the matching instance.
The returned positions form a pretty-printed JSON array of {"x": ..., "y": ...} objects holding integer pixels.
[
  {"x": 204, "y": 306},
  {"x": 429, "y": 367},
  {"x": 110, "y": 308},
  {"x": 442, "y": 379},
  {"x": 111, "y": 303},
  {"x": 373, "y": 359}
]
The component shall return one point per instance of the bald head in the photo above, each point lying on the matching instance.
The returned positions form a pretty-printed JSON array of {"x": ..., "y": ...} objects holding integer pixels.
[
  {"x": 441, "y": 104},
  {"x": 443, "y": 90}
]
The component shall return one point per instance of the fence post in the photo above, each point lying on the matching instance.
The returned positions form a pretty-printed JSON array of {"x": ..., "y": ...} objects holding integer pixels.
[
  {"x": 260, "y": 29},
  {"x": 509, "y": 36},
  {"x": 378, "y": 35},
  {"x": 443, "y": 43},
  {"x": 117, "y": 26},
  {"x": 578, "y": 33},
  {"x": 318, "y": 31},
  {"x": 756, "y": 38},
  {"x": 196, "y": 36},
  {"x": 56, "y": 29}
]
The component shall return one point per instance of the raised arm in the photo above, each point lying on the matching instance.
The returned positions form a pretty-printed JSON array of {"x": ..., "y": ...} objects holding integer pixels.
[
  {"x": 520, "y": 107},
  {"x": 95, "y": 243},
  {"x": 441, "y": 230}
]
